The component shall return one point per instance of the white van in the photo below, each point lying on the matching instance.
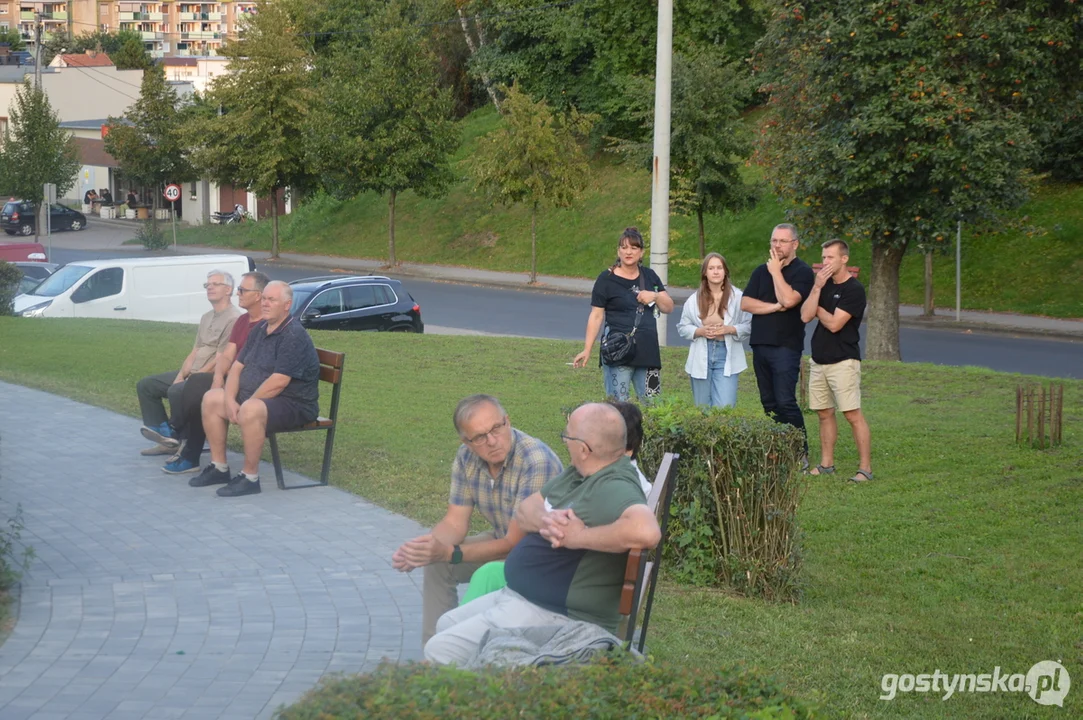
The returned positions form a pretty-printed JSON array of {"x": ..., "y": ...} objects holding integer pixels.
[{"x": 168, "y": 289}]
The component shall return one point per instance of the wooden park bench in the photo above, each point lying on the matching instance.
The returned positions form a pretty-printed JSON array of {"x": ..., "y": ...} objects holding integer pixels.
[
  {"x": 331, "y": 364},
  {"x": 641, "y": 572}
]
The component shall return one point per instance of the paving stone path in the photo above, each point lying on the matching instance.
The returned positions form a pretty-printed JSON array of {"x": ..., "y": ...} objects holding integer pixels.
[{"x": 151, "y": 599}]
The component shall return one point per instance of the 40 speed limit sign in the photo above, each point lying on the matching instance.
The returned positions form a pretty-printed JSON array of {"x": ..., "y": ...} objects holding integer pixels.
[{"x": 172, "y": 193}]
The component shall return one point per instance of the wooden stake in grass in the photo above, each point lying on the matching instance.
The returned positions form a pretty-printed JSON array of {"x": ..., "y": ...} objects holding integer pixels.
[{"x": 1044, "y": 408}]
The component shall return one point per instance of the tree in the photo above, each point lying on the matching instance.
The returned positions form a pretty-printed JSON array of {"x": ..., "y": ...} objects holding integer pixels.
[
  {"x": 891, "y": 121},
  {"x": 36, "y": 150},
  {"x": 147, "y": 141},
  {"x": 257, "y": 140},
  {"x": 535, "y": 158},
  {"x": 124, "y": 47},
  {"x": 383, "y": 123},
  {"x": 708, "y": 141},
  {"x": 13, "y": 39}
]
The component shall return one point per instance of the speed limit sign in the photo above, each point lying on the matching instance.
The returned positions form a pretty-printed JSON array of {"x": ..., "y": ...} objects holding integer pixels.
[{"x": 172, "y": 193}]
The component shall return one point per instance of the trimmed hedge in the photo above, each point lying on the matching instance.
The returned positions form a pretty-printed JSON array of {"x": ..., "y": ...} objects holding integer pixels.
[
  {"x": 608, "y": 688},
  {"x": 733, "y": 519}
]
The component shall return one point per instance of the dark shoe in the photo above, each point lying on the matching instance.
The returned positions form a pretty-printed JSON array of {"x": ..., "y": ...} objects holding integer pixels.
[
  {"x": 861, "y": 476},
  {"x": 158, "y": 450},
  {"x": 210, "y": 476},
  {"x": 163, "y": 435},
  {"x": 240, "y": 485}
]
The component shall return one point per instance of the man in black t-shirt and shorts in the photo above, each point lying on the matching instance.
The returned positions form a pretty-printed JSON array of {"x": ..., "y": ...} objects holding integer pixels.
[
  {"x": 838, "y": 302},
  {"x": 774, "y": 295}
]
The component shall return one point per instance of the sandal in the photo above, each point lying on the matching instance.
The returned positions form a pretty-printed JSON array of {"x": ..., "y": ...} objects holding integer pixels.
[
  {"x": 821, "y": 470},
  {"x": 861, "y": 476}
]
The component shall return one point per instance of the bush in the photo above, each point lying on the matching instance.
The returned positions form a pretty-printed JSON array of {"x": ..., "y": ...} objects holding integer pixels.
[
  {"x": 608, "y": 688},
  {"x": 733, "y": 519},
  {"x": 151, "y": 235},
  {"x": 9, "y": 285},
  {"x": 13, "y": 561}
]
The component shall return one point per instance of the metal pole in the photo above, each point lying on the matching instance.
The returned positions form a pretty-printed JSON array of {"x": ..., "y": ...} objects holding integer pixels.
[
  {"x": 174, "y": 226},
  {"x": 660, "y": 179},
  {"x": 49, "y": 228},
  {"x": 37, "y": 50},
  {"x": 958, "y": 269}
]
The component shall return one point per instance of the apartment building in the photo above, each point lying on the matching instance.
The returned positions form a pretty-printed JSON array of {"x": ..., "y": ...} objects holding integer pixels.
[{"x": 168, "y": 27}]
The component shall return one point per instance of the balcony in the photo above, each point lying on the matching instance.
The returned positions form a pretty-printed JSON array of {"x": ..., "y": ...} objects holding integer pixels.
[
  {"x": 202, "y": 35},
  {"x": 150, "y": 35},
  {"x": 214, "y": 17},
  {"x": 26, "y": 16},
  {"x": 155, "y": 16},
  {"x": 188, "y": 16}
]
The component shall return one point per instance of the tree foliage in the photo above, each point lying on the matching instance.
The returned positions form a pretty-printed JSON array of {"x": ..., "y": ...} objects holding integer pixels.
[
  {"x": 708, "y": 141},
  {"x": 36, "y": 149},
  {"x": 12, "y": 38},
  {"x": 383, "y": 123},
  {"x": 148, "y": 141},
  {"x": 257, "y": 141},
  {"x": 124, "y": 47},
  {"x": 891, "y": 121},
  {"x": 536, "y": 158}
]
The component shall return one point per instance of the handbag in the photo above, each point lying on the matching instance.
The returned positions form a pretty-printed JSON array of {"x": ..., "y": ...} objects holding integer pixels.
[{"x": 620, "y": 347}]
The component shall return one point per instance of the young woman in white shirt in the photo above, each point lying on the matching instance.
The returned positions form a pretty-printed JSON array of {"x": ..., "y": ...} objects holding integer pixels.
[{"x": 713, "y": 320}]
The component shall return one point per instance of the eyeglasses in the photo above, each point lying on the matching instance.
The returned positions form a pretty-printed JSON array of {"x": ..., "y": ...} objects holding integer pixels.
[
  {"x": 777, "y": 241},
  {"x": 245, "y": 291},
  {"x": 208, "y": 286},
  {"x": 566, "y": 437},
  {"x": 478, "y": 439}
]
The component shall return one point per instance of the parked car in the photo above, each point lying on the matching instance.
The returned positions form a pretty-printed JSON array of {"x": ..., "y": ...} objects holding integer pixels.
[
  {"x": 356, "y": 302},
  {"x": 33, "y": 274},
  {"x": 18, "y": 218},
  {"x": 13, "y": 251}
]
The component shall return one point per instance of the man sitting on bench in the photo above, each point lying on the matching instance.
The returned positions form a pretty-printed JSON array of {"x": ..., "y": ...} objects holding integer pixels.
[
  {"x": 272, "y": 386},
  {"x": 570, "y": 566}
]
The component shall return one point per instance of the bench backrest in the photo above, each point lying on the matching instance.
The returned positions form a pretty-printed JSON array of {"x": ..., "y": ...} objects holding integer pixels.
[
  {"x": 641, "y": 570},
  {"x": 331, "y": 364}
]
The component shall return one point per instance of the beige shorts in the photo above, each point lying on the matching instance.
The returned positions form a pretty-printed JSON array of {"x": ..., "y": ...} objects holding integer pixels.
[{"x": 837, "y": 385}]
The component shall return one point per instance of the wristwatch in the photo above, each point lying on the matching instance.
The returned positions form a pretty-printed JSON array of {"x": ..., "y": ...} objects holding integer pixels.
[{"x": 456, "y": 555}]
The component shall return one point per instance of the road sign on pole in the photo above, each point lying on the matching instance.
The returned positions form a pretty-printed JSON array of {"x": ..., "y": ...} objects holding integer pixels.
[{"x": 172, "y": 193}]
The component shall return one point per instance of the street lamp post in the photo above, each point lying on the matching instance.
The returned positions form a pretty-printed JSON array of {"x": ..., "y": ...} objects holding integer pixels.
[{"x": 660, "y": 170}]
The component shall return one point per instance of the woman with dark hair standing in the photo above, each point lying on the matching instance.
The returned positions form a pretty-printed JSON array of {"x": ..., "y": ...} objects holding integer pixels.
[
  {"x": 621, "y": 293},
  {"x": 713, "y": 320}
]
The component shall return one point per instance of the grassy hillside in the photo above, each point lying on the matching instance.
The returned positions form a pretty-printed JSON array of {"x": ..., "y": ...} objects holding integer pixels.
[{"x": 1034, "y": 272}]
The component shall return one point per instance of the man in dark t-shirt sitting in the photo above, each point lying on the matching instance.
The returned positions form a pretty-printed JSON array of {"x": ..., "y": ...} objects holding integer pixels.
[
  {"x": 273, "y": 386},
  {"x": 774, "y": 295},
  {"x": 570, "y": 565},
  {"x": 837, "y": 301}
]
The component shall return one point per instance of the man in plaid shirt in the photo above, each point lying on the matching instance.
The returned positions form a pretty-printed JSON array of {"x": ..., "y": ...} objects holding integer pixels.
[{"x": 496, "y": 467}]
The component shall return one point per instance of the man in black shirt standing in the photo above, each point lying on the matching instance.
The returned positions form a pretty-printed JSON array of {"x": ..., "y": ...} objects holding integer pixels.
[
  {"x": 774, "y": 295},
  {"x": 838, "y": 302}
]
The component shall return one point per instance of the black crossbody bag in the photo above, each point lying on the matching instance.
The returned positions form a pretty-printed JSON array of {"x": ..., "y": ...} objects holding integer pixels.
[{"x": 620, "y": 347}]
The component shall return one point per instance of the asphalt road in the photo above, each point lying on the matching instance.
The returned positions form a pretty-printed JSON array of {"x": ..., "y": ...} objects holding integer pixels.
[{"x": 534, "y": 313}]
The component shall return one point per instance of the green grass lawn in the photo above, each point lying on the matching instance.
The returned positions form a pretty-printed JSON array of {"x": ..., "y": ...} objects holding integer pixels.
[
  {"x": 962, "y": 556},
  {"x": 1034, "y": 271}
]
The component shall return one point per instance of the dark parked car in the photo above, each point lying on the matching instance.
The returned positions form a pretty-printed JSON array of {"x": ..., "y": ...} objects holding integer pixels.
[
  {"x": 355, "y": 302},
  {"x": 33, "y": 274},
  {"x": 18, "y": 218}
]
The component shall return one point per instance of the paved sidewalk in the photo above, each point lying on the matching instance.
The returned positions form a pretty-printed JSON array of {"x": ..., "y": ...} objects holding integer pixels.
[
  {"x": 150, "y": 599},
  {"x": 908, "y": 314}
]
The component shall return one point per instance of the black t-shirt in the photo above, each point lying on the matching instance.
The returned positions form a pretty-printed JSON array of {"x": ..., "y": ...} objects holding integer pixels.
[
  {"x": 617, "y": 296},
  {"x": 832, "y": 347},
  {"x": 784, "y": 328},
  {"x": 289, "y": 351}
]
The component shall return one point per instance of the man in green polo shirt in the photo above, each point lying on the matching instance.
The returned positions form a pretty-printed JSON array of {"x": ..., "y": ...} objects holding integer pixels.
[{"x": 579, "y": 528}]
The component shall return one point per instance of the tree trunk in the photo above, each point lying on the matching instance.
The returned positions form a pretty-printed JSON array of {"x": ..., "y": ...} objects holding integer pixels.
[
  {"x": 38, "y": 217},
  {"x": 391, "y": 229},
  {"x": 702, "y": 237},
  {"x": 154, "y": 213},
  {"x": 930, "y": 308},
  {"x": 274, "y": 223},
  {"x": 882, "y": 342},
  {"x": 473, "y": 47},
  {"x": 534, "y": 243}
]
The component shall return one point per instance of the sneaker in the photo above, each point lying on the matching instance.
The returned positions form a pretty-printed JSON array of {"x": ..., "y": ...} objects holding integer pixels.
[
  {"x": 163, "y": 435},
  {"x": 180, "y": 466},
  {"x": 210, "y": 476},
  {"x": 240, "y": 485},
  {"x": 158, "y": 450}
]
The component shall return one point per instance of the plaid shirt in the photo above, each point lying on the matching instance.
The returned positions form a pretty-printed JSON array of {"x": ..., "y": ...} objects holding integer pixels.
[{"x": 529, "y": 465}]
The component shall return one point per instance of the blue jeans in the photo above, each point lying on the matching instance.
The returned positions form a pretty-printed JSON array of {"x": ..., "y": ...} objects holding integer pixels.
[
  {"x": 715, "y": 390},
  {"x": 619, "y": 380},
  {"x": 777, "y": 370}
]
